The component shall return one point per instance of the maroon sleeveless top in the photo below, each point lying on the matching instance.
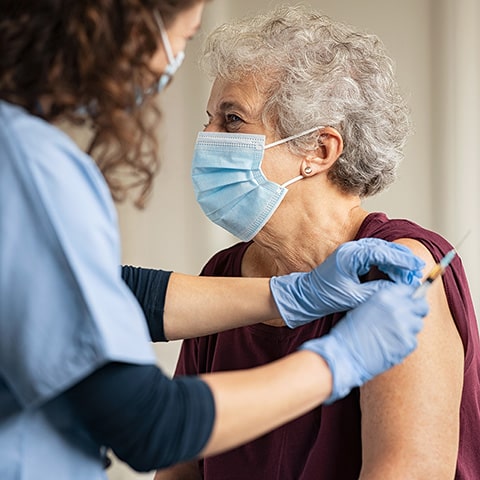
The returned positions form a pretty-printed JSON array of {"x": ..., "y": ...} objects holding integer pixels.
[{"x": 325, "y": 444}]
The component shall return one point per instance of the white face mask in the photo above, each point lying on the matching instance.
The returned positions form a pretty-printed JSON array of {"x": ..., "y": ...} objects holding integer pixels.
[{"x": 229, "y": 184}]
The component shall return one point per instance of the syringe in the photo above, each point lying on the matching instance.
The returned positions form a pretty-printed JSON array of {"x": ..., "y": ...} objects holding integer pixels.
[{"x": 438, "y": 269}]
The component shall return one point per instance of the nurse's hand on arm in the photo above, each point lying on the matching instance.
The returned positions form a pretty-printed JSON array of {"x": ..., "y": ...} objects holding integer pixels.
[
  {"x": 369, "y": 340},
  {"x": 224, "y": 303}
]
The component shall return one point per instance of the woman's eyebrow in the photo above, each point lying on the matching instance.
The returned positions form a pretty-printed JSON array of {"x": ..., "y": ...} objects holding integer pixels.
[{"x": 228, "y": 105}]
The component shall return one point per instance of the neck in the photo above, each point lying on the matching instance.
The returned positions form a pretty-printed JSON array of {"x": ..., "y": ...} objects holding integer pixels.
[{"x": 305, "y": 237}]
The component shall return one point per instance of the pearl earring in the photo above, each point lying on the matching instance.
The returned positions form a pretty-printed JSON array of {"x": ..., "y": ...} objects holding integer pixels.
[{"x": 308, "y": 170}]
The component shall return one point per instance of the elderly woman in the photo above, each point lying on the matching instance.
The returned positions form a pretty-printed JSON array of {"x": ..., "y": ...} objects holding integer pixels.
[{"x": 305, "y": 120}]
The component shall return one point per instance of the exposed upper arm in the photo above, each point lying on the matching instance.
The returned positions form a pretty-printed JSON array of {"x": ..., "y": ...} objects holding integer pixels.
[{"x": 410, "y": 414}]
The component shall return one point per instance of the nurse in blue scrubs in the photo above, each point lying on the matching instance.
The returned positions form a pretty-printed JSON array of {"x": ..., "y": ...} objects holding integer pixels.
[{"x": 77, "y": 371}]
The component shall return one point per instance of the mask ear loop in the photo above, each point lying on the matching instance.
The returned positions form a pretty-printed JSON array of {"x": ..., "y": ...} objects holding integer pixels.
[
  {"x": 293, "y": 180},
  {"x": 292, "y": 137},
  {"x": 165, "y": 40},
  {"x": 284, "y": 140}
]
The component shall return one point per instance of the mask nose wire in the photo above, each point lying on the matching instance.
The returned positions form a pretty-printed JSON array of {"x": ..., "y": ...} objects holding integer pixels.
[{"x": 292, "y": 137}]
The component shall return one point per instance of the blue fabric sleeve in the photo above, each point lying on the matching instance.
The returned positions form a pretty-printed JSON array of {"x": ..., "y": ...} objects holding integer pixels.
[
  {"x": 148, "y": 420},
  {"x": 64, "y": 310},
  {"x": 150, "y": 288}
]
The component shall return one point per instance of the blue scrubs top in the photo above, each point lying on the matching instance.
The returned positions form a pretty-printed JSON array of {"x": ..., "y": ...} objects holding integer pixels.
[{"x": 64, "y": 309}]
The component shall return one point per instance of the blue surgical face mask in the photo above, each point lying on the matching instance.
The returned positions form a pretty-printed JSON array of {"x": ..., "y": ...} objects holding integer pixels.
[
  {"x": 229, "y": 184},
  {"x": 173, "y": 62},
  {"x": 173, "y": 65}
]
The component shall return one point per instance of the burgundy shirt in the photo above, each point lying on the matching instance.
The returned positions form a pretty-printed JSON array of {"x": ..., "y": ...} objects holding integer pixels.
[{"x": 325, "y": 444}]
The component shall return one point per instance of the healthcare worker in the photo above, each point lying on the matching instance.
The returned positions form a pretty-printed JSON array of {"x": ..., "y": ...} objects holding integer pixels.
[{"x": 77, "y": 371}]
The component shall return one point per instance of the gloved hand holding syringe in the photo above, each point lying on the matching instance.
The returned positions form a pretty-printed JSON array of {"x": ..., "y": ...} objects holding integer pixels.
[{"x": 438, "y": 269}]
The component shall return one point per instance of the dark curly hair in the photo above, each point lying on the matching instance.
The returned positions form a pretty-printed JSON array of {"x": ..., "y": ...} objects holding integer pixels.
[{"x": 89, "y": 58}]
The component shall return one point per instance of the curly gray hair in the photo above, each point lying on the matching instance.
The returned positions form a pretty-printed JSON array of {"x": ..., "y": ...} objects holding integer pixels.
[{"x": 320, "y": 72}]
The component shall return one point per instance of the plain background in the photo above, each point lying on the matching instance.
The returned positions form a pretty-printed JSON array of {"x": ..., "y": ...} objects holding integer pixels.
[{"x": 436, "y": 46}]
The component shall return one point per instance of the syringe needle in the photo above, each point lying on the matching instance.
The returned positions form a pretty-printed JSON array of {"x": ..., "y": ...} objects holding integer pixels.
[
  {"x": 438, "y": 269},
  {"x": 457, "y": 245}
]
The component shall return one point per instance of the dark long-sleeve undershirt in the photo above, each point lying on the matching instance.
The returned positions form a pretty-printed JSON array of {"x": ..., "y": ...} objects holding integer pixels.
[
  {"x": 148, "y": 420},
  {"x": 150, "y": 288}
]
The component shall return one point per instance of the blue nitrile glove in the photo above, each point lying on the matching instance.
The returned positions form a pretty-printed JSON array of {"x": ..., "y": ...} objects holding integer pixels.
[
  {"x": 334, "y": 286},
  {"x": 371, "y": 338}
]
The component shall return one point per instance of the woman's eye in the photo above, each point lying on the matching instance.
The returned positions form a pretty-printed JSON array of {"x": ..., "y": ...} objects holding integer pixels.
[{"x": 232, "y": 118}]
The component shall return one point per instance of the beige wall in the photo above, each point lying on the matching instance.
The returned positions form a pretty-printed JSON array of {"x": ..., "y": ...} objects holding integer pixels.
[{"x": 437, "y": 49}]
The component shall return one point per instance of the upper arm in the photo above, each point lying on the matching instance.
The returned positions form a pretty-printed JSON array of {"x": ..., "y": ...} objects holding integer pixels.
[{"x": 410, "y": 414}]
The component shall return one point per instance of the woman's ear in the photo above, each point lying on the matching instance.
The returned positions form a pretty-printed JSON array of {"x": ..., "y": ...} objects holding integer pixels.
[{"x": 330, "y": 147}]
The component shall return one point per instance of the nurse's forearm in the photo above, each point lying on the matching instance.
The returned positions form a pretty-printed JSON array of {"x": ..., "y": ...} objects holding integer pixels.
[
  {"x": 250, "y": 403},
  {"x": 183, "y": 471},
  {"x": 196, "y": 306}
]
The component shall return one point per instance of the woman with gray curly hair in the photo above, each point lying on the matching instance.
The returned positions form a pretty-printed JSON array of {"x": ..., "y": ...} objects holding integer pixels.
[
  {"x": 320, "y": 73},
  {"x": 305, "y": 119}
]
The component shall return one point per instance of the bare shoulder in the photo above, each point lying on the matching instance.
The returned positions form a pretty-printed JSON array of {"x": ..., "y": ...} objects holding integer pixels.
[
  {"x": 410, "y": 414},
  {"x": 420, "y": 250}
]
